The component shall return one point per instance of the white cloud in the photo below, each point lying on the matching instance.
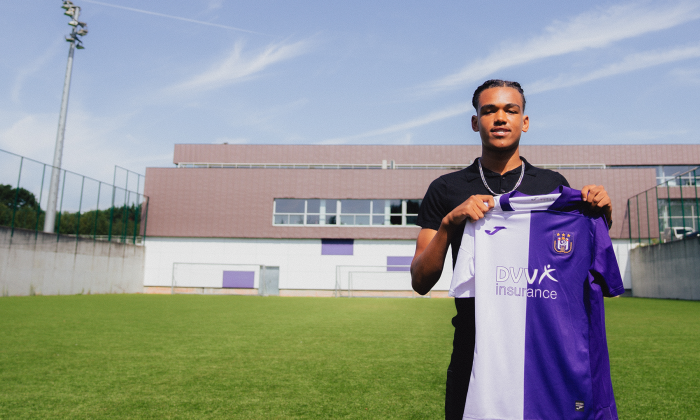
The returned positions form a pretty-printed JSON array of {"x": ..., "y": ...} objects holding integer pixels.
[
  {"x": 595, "y": 29},
  {"x": 146, "y": 12},
  {"x": 92, "y": 144},
  {"x": 214, "y": 4},
  {"x": 430, "y": 118},
  {"x": 238, "y": 66},
  {"x": 630, "y": 63},
  {"x": 31, "y": 69}
]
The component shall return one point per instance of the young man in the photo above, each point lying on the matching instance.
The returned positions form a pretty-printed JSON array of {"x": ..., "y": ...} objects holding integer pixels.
[{"x": 460, "y": 197}]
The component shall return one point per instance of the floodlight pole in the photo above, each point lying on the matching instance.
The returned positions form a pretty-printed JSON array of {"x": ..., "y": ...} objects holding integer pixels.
[{"x": 50, "y": 219}]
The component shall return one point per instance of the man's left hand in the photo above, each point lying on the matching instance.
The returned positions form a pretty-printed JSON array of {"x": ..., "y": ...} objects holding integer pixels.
[{"x": 599, "y": 200}]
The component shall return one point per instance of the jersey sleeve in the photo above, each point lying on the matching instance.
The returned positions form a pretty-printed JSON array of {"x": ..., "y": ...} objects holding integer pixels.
[
  {"x": 432, "y": 208},
  {"x": 605, "y": 268}
]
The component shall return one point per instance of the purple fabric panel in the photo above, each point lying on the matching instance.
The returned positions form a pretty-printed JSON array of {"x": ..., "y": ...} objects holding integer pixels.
[
  {"x": 603, "y": 280},
  {"x": 557, "y": 371},
  {"x": 337, "y": 246},
  {"x": 605, "y": 266},
  {"x": 239, "y": 279},
  {"x": 398, "y": 261}
]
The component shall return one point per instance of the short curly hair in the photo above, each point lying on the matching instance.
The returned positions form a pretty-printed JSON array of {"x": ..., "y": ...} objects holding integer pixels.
[{"x": 496, "y": 83}]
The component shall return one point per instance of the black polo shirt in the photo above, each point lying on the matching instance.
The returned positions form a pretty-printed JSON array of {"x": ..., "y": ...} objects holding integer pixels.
[{"x": 451, "y": 190}]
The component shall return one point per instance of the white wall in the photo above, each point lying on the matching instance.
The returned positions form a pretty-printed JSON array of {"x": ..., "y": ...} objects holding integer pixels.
[
  {"x": 43, "y": 264},
  {"x": 300, "y": 261},
  {"x": 301, "y": 264},
  {"x": 622, "y": 249}
]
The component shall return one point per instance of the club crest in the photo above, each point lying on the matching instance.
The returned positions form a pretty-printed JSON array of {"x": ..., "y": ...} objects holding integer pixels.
[{"x": 563, "y": 242}]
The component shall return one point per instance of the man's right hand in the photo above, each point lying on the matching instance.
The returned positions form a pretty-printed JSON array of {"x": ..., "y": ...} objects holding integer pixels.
[
  {"x": 431, "y": 246},
  {"x": 473, "y": 209}
]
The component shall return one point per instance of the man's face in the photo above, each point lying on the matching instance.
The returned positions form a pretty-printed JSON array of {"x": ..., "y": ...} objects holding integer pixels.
[{"x": 500, "y": 120}]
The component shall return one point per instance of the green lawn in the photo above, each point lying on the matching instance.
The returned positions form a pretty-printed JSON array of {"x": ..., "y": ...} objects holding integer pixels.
[{"x": 150, "y": 356}]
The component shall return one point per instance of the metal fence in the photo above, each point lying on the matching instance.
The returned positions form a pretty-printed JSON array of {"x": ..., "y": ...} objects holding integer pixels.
[
  {"x": 667, "y": 212},
  {"x": 86, "y": 207}
]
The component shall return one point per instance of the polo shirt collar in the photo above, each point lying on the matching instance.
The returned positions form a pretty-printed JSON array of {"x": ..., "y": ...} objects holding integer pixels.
[{"x": 472, "y": 171}]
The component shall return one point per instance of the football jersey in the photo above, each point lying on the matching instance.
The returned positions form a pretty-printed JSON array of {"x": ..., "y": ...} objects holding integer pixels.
[{"x": 539, "y": 267}]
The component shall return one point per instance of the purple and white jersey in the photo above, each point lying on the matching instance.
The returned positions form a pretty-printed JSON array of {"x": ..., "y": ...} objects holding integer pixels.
[{"x": 538, "y": 267}]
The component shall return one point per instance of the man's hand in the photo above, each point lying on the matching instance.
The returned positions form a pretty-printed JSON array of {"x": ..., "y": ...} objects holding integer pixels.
[
  {"x": 431, "y": 246},
  {"x": 598, "y": 199},
  {"x": 473, "y": 209}
]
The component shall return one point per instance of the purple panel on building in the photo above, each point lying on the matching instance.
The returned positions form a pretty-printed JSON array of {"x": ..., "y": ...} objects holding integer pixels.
[
  {"x": 336, "y": 246},
  {"x": 239, "y": 279},
  {"x": 398, "y": 263}
]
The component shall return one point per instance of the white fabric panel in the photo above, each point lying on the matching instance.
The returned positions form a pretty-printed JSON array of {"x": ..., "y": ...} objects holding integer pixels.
[{"x": 499, "y": 368}]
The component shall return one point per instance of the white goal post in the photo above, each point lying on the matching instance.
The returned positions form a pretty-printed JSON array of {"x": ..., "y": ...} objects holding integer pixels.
[
  {"x": 209, "y": 277},
  {"x": 373, "y": 281}
]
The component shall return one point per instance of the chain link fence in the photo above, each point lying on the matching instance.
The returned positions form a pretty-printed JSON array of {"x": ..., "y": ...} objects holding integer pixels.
[
  {"x": 86, "y": 207},
  {"x": 667, "y": 212}
]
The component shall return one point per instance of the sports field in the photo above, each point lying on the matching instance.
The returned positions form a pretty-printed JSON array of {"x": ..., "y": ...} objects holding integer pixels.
[{"x": 248, "y": 357}]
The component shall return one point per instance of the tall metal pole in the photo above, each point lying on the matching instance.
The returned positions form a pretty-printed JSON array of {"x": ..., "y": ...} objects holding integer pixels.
[
  {"x": 50, "y": 219},
  {"x": 74, "y": 12}
]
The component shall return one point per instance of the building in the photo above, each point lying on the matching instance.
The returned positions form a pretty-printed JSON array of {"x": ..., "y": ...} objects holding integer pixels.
[{"x": 324, "y": 220}]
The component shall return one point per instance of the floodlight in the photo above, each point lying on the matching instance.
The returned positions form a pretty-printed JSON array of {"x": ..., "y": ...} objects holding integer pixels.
[
  {"x": 80, "y": 47},
  {"x": 70, "y": 38},
  {"x": 83, "y": 24},
  {"x": 73, "y": 23},
  {"x": 70, "y": 12},
  {"x": 82, "y": 31},
  {"x": 67, "y": 4}
]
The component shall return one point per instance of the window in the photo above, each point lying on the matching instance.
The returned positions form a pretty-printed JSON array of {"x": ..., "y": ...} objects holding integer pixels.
[{"x": 320, "y": 212}]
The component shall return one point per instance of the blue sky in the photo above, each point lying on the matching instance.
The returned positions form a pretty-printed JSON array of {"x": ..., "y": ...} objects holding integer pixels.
[{"x": 326, "y": 72}]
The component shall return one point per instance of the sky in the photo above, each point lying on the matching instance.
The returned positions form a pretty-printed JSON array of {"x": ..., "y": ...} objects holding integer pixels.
[{"x": 154, "y": 74}]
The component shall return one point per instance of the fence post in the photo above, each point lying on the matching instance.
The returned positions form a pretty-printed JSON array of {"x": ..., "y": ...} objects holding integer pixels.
[
  {"x": 38, "y": 208},
  {"x": 80, "y": 208},
  {"x": 97, "y": 211},
  {"x": 126, "y": 219},
  {"x": 639, "y": 224},
  {"x": 63, "y": 191},
  {"x": 680, "y": 187},
  {"x": 136, "y": 219},
  {"x": 14, "y": 206},
  {"x": 697, "y": 208},
  {"x": 629, "y": 220},
  {"x": 646, "y": 199},
  {"x": 670, "y": 219},
  {"x": 111, "y": 213},
  {"x": 145, "y": 223},
  {"x": 658, "y": 212}
]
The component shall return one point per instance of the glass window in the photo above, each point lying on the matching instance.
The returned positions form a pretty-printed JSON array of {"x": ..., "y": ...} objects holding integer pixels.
[
  {"x": 286, "y": 205},
  {"x": 412, "y": 206},
  {"x": 354, "y": 206},
  {"x": 318, "y": 212},
  {"x": 331, "y": 206},
  {"x": 313, "y": 206}
]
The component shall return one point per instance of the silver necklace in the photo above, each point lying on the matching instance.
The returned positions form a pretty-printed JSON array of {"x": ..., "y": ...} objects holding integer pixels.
[{"x": 522, "y": 172}]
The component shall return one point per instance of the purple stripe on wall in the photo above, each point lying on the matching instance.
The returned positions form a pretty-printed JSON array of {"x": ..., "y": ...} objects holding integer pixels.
[
  {"x": 337, "y": 246},
  {"x": 239, "y": 279},
  {"x": 403, "y": 262}
]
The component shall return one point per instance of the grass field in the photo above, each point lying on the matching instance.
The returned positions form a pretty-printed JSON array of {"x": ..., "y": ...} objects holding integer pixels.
[{"x": 150, "y": 356}]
